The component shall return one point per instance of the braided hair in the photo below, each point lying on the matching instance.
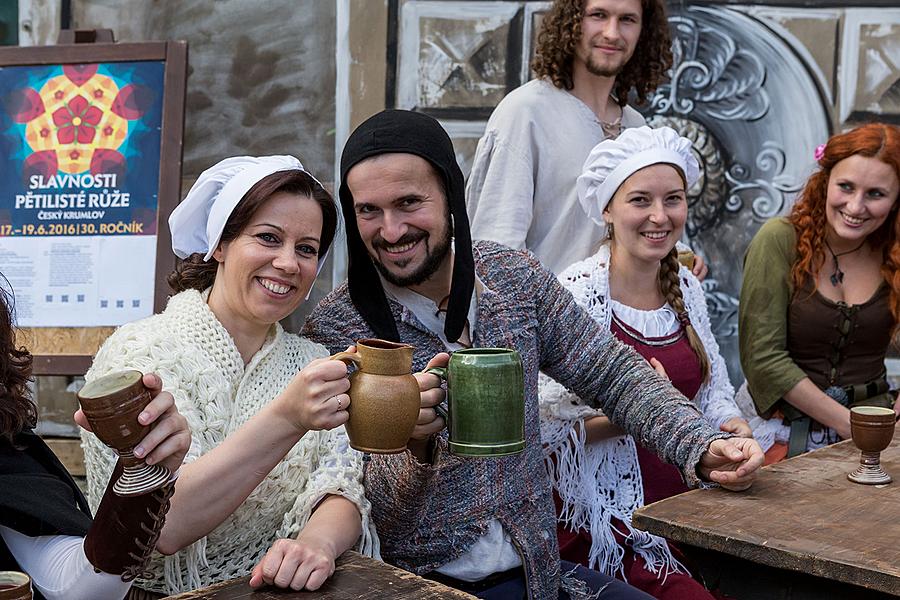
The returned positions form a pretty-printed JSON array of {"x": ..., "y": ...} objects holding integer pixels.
[{"x": 670, "y": 287}]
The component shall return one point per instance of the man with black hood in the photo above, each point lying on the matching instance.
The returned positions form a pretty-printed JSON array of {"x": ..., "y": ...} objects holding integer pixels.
[{"x": 484, "y": 525}]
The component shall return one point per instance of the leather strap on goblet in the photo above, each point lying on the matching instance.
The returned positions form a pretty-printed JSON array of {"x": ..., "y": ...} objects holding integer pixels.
[{"x": 125, "y": 529}]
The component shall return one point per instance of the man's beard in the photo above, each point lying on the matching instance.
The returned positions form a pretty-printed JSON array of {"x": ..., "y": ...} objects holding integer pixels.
[
  {"x": 604, "y": 71},
  {"x": 434, "y": 257}
]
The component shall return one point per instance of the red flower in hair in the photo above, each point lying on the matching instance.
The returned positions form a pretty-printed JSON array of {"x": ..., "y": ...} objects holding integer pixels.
[{"x": 820, "y": 152}]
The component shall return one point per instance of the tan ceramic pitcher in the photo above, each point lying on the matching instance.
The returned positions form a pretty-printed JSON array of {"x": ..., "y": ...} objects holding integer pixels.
[{"x": 384, "y": 396}]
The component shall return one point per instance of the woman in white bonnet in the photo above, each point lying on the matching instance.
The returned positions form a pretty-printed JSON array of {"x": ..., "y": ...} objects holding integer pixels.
[
  {"x": 269, "y": 486},
  {"x": 635, "y": 188}
]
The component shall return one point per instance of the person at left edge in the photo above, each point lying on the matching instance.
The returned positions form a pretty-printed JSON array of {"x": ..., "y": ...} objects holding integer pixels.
[
  {"x": 270, "y": 486},
  {"x": 46, "y": 528}
]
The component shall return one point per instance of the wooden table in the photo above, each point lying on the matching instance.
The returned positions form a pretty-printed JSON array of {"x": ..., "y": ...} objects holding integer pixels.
[
  {"x": 801, "y": 515},
  {"x": 356, "y": 577}
]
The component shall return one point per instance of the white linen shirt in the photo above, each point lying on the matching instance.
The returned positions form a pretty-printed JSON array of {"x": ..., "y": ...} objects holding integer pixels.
[{"x": 521, "y": 191}]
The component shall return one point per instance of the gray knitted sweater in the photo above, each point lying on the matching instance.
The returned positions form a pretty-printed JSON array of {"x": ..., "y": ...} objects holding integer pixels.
[{"x": 428, "y": 515}]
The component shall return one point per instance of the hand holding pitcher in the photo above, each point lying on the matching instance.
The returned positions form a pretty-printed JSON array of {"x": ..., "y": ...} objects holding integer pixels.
[{"x": 316, "y": 398}]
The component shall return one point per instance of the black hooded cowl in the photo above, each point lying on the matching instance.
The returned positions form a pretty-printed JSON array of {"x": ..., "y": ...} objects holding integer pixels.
[{"x": 403, "y": 131}]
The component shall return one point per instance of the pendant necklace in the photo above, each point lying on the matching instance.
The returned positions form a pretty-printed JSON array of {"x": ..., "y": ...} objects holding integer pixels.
[
  {"x": 837, "y": 277},
  {"x": 611, "y": 129}
]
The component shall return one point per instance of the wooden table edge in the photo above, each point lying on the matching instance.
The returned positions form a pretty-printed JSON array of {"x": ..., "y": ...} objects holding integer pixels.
[
  {"x": 348, "y": 556},
  {"x": 777, "y": 557},
  {"x": 207, "y": 590}
]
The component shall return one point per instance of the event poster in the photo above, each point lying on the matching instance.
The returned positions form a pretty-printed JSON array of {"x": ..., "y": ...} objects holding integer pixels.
[{"x": 80, "y": 183}]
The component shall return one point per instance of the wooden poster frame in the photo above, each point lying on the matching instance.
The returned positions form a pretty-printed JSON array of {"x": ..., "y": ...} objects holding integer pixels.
[{"x": 76, "y": 355}]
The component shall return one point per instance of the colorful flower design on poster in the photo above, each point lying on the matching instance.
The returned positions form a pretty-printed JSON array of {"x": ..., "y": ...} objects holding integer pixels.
[
  {"x": 78, "y": 120},
  {"x": 84, "y": 140}
]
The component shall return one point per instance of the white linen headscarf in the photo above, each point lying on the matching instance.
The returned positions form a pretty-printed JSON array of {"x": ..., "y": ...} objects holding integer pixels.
[
  {"x": 614, "y": 160},
  {"x": 197, "y": 223}
]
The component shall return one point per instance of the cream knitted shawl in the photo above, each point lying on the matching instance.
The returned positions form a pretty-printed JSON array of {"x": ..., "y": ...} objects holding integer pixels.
[
  {"x": 200, "y": 365},
  {"x": 602, "y": 480}
]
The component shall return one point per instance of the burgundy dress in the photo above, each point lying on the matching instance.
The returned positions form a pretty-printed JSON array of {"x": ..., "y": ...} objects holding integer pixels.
[{"x": 660, "y": 480}]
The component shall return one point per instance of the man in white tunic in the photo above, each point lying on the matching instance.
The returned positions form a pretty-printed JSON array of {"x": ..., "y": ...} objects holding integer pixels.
[{"x": 590, "y": 55}]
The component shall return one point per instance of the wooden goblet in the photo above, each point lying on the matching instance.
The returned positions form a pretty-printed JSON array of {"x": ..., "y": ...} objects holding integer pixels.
[
  {"x": 872, "y": 428},
  {"x": 15, "y": 586},
  {"x": 112, "y": 404}
]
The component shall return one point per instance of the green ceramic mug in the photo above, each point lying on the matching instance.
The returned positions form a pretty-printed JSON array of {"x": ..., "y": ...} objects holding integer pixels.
[{"x": 486, "y": 401}]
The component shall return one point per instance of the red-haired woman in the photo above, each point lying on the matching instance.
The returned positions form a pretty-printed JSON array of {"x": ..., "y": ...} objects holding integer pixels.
[
  {"x": 45, "y": 524},
  {"x": 821, "y": 296}
]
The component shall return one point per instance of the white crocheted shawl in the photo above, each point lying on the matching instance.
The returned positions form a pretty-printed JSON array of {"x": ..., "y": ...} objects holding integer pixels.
[
  {"x": 200, "y": 365},
  {"x": 601, "y": 481}
]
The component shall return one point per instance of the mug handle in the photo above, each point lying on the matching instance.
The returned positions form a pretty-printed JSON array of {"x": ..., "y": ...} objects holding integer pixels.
[
  {"x": 347, "y": 358},
  {"x": 439, "y": 409}
]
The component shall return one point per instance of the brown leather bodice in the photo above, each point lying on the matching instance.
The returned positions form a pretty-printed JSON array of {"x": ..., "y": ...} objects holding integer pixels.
[{"x": 837, "y": 344}]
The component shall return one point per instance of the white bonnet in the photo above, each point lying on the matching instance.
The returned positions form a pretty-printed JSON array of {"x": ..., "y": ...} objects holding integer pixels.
[
  {"x": 197, "y": 223},
  {"x": 612, "y": 161}
]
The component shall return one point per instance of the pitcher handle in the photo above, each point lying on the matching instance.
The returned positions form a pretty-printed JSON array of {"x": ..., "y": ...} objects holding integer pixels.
[
  {"x": 439, "y": 409},
  {"x": 347, "y": 358}
]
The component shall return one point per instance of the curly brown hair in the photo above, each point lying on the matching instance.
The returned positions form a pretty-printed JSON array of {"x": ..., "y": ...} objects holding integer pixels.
[
  {"x": 561, "y": 31},
  {"x": 874, "y": 140},
  {"x": 195, "y": 273},
  {"x": 17, "y": 411}
]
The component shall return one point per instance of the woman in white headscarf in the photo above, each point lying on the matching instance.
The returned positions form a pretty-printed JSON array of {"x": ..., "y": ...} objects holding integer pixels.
[
  {"x": 269, "y": 485},
  {"x": 634, "y": 188}
]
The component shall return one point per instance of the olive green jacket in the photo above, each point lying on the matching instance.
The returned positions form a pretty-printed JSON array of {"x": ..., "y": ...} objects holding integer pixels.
[{"x": 763, "y": 315}]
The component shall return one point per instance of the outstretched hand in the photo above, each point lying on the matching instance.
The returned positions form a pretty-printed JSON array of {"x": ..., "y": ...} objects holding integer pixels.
[
  {"x": 732, "y": 463},
  {"x": 168, "y": 441}
]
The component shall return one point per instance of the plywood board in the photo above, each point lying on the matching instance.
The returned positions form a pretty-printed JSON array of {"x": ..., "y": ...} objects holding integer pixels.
[{"x": 69, "y": 453}]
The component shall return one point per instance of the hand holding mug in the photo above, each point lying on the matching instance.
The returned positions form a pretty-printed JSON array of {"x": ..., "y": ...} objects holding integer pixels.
[
  {"x": 432, "y": 394},
  {"x": 115, "y": 407},
  {"x": 485, "y": 402},
  {"x": 385, "y": 395}
]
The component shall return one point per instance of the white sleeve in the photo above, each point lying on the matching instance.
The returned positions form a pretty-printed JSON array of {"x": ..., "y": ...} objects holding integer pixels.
[
  {"x": 500, "y": 192},
  {"x": 59, "y": 568},
  {"x": 717, "y": 395}
]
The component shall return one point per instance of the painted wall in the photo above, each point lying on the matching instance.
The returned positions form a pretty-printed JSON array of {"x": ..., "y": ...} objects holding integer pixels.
[
  {"x": 261, "y": 79},
  {"x": 261, "y": 76}
]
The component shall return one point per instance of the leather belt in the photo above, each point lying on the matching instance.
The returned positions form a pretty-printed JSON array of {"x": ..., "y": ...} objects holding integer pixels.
[{"x": 492, "y": 580}]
